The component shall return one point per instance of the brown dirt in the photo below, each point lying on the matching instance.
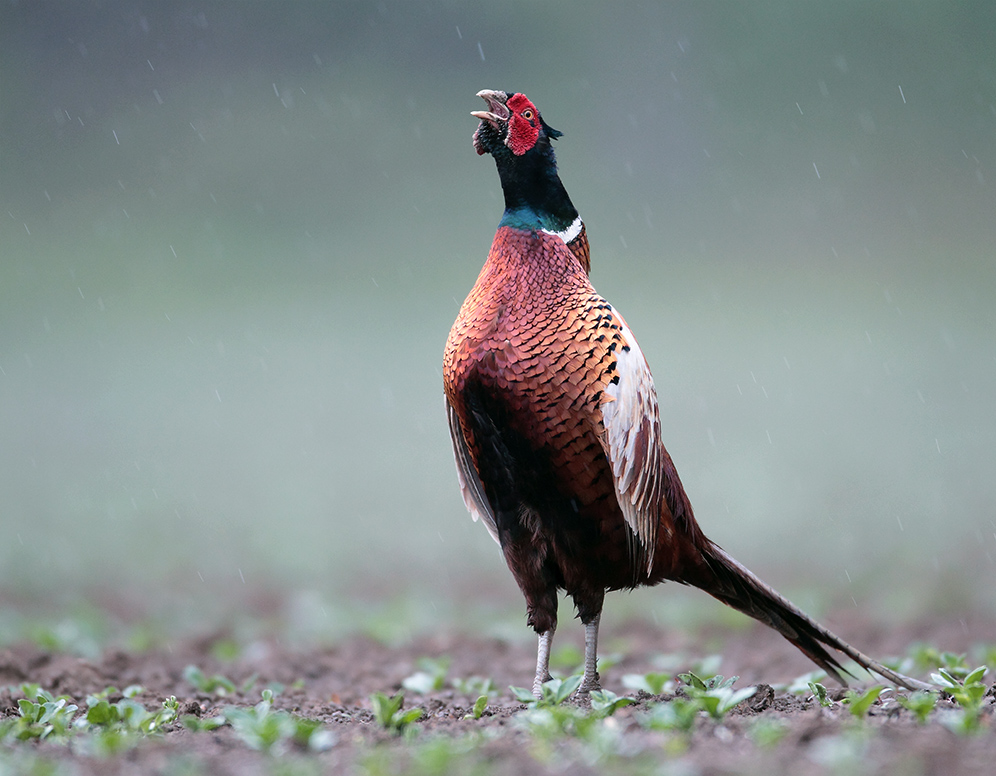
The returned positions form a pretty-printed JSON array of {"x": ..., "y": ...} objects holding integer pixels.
[{"x": 333, "y": 684}]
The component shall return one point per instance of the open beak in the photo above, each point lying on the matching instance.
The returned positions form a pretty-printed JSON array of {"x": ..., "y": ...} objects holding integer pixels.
[{"x": 497, "y": 113}]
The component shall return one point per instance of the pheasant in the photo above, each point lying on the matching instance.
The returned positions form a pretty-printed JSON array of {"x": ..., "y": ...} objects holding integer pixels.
[{"x": 556, "y": 428}]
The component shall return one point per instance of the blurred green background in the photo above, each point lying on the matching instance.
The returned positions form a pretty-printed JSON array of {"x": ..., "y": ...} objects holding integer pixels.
[{"x": 234, "y": 237}]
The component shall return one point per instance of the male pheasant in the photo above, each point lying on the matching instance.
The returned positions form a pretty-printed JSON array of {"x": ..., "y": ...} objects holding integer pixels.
[{"x": 555, "y": 422}]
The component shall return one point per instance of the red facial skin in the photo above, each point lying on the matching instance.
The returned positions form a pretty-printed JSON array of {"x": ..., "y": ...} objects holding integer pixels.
[{"x": 523, "y": 125}]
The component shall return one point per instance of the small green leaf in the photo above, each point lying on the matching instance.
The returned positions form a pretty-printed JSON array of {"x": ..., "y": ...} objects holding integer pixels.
[
  {"x": 820, "y": 693},
  {"x": 693, "y": 681},
  {"x": 522, "y": 695},
  {"x": 920, "y": 703},
  {"x": 605, "y": 703},
  {"x": 479, "y": 706},
  {"x": 652, "y": 682},
  {"x": 860, "y": 703},
  {"x": 976, "y": 675}
]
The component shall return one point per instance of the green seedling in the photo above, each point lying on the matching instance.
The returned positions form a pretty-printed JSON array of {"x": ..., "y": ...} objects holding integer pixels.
[
  {"x": 652, "y": 682},
  {"x": 478, "y": 709},
  {"x": 554, "y": 721},
  {"x": 201, "y": 724},
  {"x": 956, "y": 665},
  {"x": 716, "y": 702},
  {"x": 267, "y": 730},
  {"x": 858, "y": 703},
  {"x": 968, "y": 693},
  {"x": 45, "y": 718},
  {"x": 715, "y": 695},
  {"x": 678, "y": 714},
  {"x": 430, "y": 677},
  {"x": 552, "y": 692},
  {"x": 713, "y": 682},
  {"x": 127, "y": 715},
  {"x": 928, "y": 658},
  {"x": 215, "y": 685},
  {"x": 605, "y": 703},
  {"x": 820, "y": 694},
  {"x": 388, "y": 712},
  {"x": 920, "y": 703},
  {"x": 474, "y": 686}
]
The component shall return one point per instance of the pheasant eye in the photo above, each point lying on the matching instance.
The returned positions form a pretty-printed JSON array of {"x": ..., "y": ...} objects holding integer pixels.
[{"x": 527, "y": 114}]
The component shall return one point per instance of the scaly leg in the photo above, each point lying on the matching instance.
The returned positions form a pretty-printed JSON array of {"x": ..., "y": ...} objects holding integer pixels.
[
  {"x": 543, "y": 660},
  {"x": 590, "y": 680}
]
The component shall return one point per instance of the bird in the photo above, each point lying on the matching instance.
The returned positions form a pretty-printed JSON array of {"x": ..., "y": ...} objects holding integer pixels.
[{"x": 556, "y": 425}]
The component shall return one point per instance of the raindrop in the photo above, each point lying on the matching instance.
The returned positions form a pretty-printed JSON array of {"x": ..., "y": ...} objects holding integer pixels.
[
  {"x": 242, "y": 577},
  {"x": 113, "y": 132},
  {"x": 902, "y": 95},
  {"x": 800, "y": 110},
  {"x": 480, "y": 50},
  {"x": 817, "y": 171},
  {"x": 459, "y": 35}
]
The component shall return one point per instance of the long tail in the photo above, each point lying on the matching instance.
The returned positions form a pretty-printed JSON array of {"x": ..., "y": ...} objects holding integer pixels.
[{"x": 724, "y": 578}]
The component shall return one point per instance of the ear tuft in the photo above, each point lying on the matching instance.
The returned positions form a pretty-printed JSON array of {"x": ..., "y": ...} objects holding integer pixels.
[{"x": 551, "y": 133}]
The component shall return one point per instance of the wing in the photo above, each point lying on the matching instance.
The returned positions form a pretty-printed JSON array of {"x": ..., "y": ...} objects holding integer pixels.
[
  {"x": 471, "y": 487},
  {"x": 632, "y": 443}
]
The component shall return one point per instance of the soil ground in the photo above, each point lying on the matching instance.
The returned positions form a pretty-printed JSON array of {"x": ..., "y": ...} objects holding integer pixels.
[{"x": 333, "y": 684}]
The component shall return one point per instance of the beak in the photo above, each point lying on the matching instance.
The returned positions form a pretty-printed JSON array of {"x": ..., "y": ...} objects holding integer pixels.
[{"x": 497, "y": 112}]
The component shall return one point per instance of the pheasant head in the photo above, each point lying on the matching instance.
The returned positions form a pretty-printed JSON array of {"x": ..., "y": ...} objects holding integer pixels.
[{"x": 518, "y": 139}]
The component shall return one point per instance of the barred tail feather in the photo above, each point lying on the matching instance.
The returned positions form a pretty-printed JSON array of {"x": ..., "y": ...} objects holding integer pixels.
[{"x": 726, "y": 579}]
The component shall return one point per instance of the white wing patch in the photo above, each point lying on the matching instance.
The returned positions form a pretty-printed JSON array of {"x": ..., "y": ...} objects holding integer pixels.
[
  {"x": 471, "y": 487},
  {"x": 632, "y": 442}
]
